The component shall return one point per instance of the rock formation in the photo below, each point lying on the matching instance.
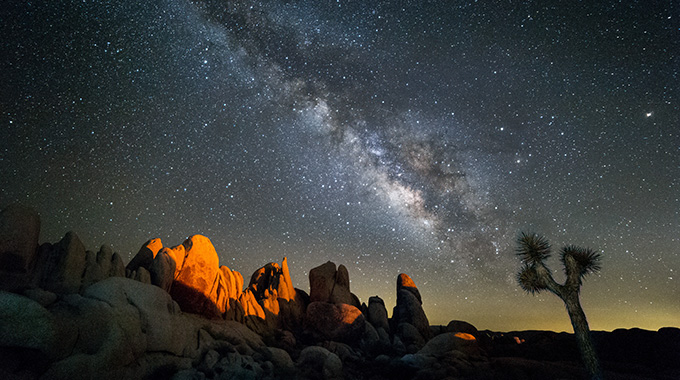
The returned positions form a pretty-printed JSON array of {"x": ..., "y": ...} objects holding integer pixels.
[
  {"x": 408, "y": 317},
  {"x": 271, "y": 301},
  {"x": 70, "y": 313},
  {"x": 328, "y": 284}
]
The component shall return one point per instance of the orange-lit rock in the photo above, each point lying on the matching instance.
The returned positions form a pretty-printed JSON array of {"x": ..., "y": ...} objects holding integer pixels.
[
  {"x": 234, "y": 281},
  {"x": 199, "y": 286},
  {"x": 465, "y": 336},
  {"x": 409, "y": 307},
  {"x": 337, "y": 322},
  {"x": 145, "y": 256},
  {"x": 405, "y": 282},
  {"x": 272, "y": 288}
]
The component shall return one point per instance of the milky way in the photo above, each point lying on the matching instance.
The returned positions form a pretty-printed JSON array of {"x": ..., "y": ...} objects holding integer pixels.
[{"x": 419, "y": 137}]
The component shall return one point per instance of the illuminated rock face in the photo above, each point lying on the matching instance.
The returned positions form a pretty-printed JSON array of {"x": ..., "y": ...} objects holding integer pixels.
[
  {"x": 200, "y": 286},
  {"x": 271, "y": 301}
]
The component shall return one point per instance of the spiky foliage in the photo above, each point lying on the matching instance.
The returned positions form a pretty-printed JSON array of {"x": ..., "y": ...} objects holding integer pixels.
[
  {"x": 534, "y": 277},
  {"x": 532, "y": 248},
  {"x": 530, "y": 281},
  {"x": 585, "y": 260}
]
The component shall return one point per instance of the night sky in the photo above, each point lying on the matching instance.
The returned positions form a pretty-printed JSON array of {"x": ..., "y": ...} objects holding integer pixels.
[{"x": 417, "y": 137}]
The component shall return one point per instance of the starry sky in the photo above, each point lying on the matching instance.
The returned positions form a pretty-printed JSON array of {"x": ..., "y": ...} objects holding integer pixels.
[{"x": 415, "y": 136}]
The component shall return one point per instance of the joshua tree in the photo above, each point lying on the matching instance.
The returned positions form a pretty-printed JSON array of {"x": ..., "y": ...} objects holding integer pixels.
[{"x": 534, "y": 277}]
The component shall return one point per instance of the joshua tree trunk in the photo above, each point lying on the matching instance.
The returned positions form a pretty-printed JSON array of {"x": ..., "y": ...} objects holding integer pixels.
[
  {"x": 582, "y": 333},
  {"x": 534, "y": 277}
]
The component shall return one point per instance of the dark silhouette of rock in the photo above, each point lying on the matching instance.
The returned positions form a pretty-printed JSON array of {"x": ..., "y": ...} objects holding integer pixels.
[
  {"x": 117, "y": 266},
  {"x": 409, "y": 309},
  {"x": 338, "y": 322},
  {"x": 318, "y": 363},
  {"x": 322, "y": 282},
  {"x": 162, "y": 270},
  {"x": 462, "y": 326},
  {"x": 377, "y": 313},
  {"x": 412, "y": 338},
  {"x": 19, "y": 232},
  {"x": 64, "y": 265},
  {"x": 93, "y": 272},
  {"x": 105, "y": 260},
  {"x": 443, "y": 344},
  {"x": 328, "y": 284},
  {"x": 142, "y": 275}
]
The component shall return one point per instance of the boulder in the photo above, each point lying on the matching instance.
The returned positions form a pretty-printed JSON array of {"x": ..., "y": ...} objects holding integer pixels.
[
  {"x": 409, "y": 307},
  {"x": 117, "y": 266},
  {"x": 25, "y": 324},
  {"x": 281, "y": 360},
  {"x": 321, "y": 282},
  {"x": 145, "y": 256},
  {"x": 328, "y": 284},
  {"x": 318, "y": 363},
  {"x": 199, "y": 286},
  {"x": 462, "y": 326},
  {"x": 104, "y": 260},
  {"x": 63, "y": 265},
  {"x": 162, "y": 271},
  {"x": 93, "y": 271},
  {"x": 404, "y": 282},
  {"x": 234, "y": 281},
  {"x": 443, "y": 344},
  {"x": 251, "y": 313},
  {"x": 272, "y": 288},
  {"x": 19, "y": 233},
  {"x": 338, "y": 322},
  {"x": 412, "y": 338},
  {"x": 377, "y": 313},
  {"x": 142, "y": 275}
]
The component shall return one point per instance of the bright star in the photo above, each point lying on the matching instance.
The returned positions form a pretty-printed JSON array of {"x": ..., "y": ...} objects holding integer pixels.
[{"x": 648, "y": 114}]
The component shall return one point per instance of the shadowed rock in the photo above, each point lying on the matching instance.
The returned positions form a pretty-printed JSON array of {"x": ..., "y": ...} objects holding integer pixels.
[
  {"x": 443, "y": 344},
  {"x": 377, "y": 313},
  {"x": 64, "y": 265},
  {"x": 19, "y": 232},
  {"x": 163, "y": 269},
  {"x": 328, "y": 284},
  {"x": 145, "y": 256},
  {"x": 339, "y": 322},
  {"x": 409, "y": 310}
]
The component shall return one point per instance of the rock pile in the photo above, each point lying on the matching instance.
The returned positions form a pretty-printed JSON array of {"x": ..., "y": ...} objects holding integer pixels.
[{"x": 174, "y": 312}]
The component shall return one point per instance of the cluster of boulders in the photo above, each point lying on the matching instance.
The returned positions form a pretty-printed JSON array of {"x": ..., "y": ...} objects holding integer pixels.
[{"x": 174, "y": 312}]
